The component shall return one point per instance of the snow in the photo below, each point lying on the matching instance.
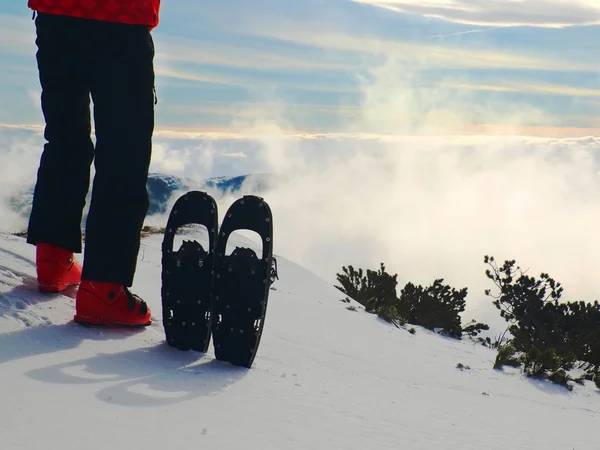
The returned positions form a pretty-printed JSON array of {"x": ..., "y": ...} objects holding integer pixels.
[{"x": 324, "y": 378}]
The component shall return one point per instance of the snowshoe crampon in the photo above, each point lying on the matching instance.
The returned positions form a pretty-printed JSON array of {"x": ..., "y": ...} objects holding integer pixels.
[
  {"x": 241, "y": 283},
  {"x": 186, "y": 274}
]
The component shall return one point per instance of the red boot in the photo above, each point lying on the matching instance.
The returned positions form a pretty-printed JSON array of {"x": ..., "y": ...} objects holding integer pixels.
[
  {"x": 56, "y": 268},
  {"x": 101, "y": 303}
]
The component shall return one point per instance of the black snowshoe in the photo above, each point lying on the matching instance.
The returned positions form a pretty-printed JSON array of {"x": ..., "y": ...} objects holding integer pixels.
[
  {"x": 241, "y": 283},
  {"x": 187, "y": 274}
]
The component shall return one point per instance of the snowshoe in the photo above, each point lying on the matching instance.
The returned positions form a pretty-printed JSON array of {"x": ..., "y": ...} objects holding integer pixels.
[
  {"x": 186, "y": 274},
  {"x": 241, "y": 283}
]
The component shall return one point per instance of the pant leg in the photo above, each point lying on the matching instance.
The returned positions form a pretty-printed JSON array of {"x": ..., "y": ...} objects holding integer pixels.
[
  {"x": 123, "y": 96},
  {"x": 63, "y": 175}
]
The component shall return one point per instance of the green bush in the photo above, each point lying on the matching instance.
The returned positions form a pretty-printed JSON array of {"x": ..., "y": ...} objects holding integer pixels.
[
  {"x": 435, "y": 307},
  {"x": 372, "y": 289},
  {"x": 562, "y": 378},
  {"x": 552, "y": 335},
  {"x": 507, "y": 356}
]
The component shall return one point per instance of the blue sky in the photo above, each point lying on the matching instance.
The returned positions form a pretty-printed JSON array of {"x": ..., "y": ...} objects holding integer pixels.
[{"x": 340, "y": 66}]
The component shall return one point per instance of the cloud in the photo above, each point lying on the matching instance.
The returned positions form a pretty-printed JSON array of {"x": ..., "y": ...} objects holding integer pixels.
[
  {"x": 395, "y": 101},
  {"x": 17, "y": 35},
  {"x": 248, "y": 81},
  {"x": 524, "y": 87},
  {"x": 35, "y": 98},
  {"x": 243, "y": 55},
  {"x": 237, "y": 155},
  {"x": 541, "y": 13},
  {"x": 368, "y": 49},
  {"x": 20, "y": 149}
]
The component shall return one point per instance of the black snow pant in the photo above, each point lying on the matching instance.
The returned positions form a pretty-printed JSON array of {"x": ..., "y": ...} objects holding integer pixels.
[{"x": 114, "y": 64}]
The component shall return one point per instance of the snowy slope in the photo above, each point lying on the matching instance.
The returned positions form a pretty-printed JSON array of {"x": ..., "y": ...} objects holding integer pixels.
[{"x": 324, "y": 378}]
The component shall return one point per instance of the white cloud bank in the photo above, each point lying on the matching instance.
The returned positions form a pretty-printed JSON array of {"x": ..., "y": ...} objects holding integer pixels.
[{"x": 543, "y": 13}]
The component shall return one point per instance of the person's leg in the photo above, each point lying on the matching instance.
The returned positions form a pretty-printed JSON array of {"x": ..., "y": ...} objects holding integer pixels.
[
  {"x": 64, "y": 172},
  {"x": 63, "y": 175},
  {"x": 123, "y": 96}
]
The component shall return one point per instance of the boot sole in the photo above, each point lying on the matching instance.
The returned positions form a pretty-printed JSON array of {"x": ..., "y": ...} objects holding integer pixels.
[
  {"x": 55, "y": 288},
  {"x": 104, "y": 323}
]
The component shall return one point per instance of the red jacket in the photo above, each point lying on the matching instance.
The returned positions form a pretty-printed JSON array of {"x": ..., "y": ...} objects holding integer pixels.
[{"x": 137, "y": 12}]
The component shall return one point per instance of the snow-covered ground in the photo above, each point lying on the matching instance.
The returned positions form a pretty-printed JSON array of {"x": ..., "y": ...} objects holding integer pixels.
[{"x": 324, "y": 378}]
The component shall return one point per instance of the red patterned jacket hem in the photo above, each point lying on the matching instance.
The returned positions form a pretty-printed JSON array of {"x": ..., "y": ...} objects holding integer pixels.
[{"x": 133, "y": 12}]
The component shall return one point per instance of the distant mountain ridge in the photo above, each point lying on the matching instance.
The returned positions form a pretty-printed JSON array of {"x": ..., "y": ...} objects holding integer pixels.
[{"x": 161, "y": 187}]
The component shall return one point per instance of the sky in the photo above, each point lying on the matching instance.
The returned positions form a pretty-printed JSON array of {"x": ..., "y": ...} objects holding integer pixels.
[
  {"x": 329, "y": 66},
  {"x": 421, "y": 134}
]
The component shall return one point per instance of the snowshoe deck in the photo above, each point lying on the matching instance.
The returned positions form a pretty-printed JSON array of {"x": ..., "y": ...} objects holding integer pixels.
[
  {"x": 186, "y": 274},
  {"x": 241, "y": 283}
]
